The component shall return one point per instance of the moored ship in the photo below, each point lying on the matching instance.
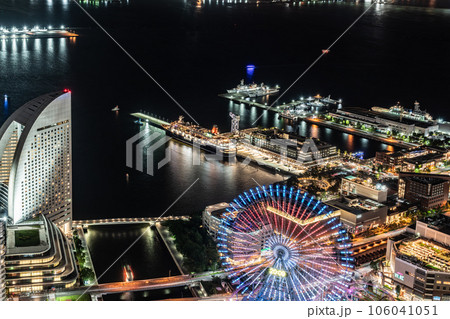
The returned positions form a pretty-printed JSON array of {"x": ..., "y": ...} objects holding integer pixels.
[
  {"x": 253, "y": 90},
  {"x": 208, "y": 140},
  {"x": 399, "y": 111}
]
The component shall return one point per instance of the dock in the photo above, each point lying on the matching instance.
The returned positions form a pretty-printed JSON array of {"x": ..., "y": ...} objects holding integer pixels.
[
  {"x": 36, "y": 33},
  {"x": 353, "y": 131},
  {"x": 148, "y": 118},
  {"x": 236, "y": 97},
  {"x": 284, "y": 108}
]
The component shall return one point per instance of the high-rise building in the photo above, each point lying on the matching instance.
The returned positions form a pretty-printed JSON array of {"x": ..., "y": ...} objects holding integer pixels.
[
  {"x": 36, "y": 161},
  {"x": 430, "y": 192}
]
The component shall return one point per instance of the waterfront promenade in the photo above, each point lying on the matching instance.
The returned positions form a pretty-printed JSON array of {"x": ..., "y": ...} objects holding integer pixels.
[
  {"x": 36, "y": 33},
  {"x": 259, "y": 156},
  {"x": 178, "y": 258},
  {"x": 235, "y": 97},
  {"x": 150, "y": 119},
  {"x": 89, "y": 262},
  {"x": 176, "y": 255},
  {"x": 353, "y": 131},
  {"x": 286, "y": 106}
]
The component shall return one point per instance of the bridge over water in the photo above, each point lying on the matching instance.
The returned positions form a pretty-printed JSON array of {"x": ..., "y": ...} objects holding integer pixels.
[
  {"x": 143, "y": 285},
  {"x": 135, "y": 220}
]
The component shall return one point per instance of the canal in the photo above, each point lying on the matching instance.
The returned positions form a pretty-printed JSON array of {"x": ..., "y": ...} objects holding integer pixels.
[{"x": 148, "y": 258}]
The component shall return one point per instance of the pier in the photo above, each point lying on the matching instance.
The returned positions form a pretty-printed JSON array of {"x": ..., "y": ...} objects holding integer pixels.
[
  {"x": 236, "y": 97},
  {"x": 118, "y": 221},
  {"x": 148, "y": 118},
  {"x": 36, "y": 33},
  {"x": 176, "y": 255},
  {"x": 89, "y": 261},
  {"x": 357, "y": 132}
]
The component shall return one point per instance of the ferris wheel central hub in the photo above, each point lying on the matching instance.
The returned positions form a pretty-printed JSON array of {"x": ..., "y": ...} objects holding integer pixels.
[{"x": 281, "y": 252}]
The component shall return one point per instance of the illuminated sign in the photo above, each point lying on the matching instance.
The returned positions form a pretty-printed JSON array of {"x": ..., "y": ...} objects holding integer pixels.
[
  {"x": 399, "y": 275},
  {"x": 277, "y": 272}
]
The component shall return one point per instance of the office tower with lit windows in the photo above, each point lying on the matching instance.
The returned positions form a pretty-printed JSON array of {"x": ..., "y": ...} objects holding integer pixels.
[{"x": 36, "y": 161}]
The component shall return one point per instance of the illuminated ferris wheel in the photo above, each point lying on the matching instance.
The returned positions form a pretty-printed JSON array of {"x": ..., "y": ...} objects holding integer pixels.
[{"x": 283, "y": 244}]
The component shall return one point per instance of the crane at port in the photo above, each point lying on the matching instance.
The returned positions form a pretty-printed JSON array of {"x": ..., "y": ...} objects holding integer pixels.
[{"x": 235, "y": 119}]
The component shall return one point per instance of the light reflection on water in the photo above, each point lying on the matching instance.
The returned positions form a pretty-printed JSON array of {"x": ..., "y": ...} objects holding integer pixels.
[
  {"x": 39, "y": 55},
  {"x": 148, "y": 258},
  {"x": 215, "y": 59},
  {"x": 343, "y": 141}
]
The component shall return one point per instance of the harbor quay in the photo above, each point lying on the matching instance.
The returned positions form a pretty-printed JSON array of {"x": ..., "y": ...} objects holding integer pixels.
[
  {"x": 271, "y": 148},
  {"x": 362, "y": 133},
  {"x": 304, "y": 106},
  {"x": 37, "y": 32},
  {"x": 397, "y": 125}
]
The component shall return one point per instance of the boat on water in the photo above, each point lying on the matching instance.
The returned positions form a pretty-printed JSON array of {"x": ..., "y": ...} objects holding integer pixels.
[
  {"x": 253, "y": 90},
  {"x": 400, "y": 112},
  {"x": 128, "y": 273},
  {"x": 115, "y": 109},
  {"x": 208, "y": 140}
]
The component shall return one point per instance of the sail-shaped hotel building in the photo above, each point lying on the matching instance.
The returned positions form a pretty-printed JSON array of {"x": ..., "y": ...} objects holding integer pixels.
[{"x": 36, "y": 161}]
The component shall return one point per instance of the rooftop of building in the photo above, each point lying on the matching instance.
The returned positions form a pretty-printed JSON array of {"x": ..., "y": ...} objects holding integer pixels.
[
  {"x": 426, "y": 180},
  {"x": 217, "y": 210},
  {"x": 423, "y": 159},
  {"x": 401, "y": 237},
  {"x": 425, "y": 253},
  {"x": 275, "y": 133},
  {"x": 438, "y": 222},
  {"x": 28, "y": 112},
  {"x": 359, "y": 111},
  {"x": 30, "y": 237},
  {"x": 355, "y": 205},
  {"x": 397, "y": 154},
  {"x": 438, "y": 149},
  {"x": 397, "y": 206},
  {"x": 366, "y": 182}
]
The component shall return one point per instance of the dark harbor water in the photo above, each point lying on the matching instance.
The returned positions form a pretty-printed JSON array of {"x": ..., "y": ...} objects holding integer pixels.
[
  {"x": 394, "y": 53},
  {"x": 106, "y": 243},
  {"x": 172, "y": 293}
]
